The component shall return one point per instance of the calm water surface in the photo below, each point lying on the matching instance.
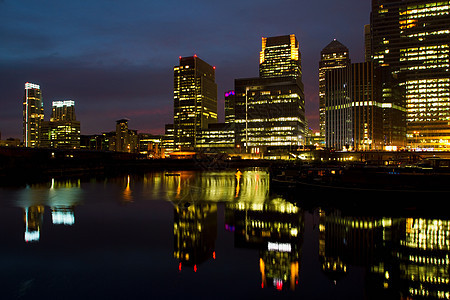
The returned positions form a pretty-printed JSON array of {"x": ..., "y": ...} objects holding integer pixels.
[{"x": 210, "y": 235}]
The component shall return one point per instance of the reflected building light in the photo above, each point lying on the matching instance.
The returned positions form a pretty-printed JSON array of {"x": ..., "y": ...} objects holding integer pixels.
[
  {"x": 279, "y": 247},
  {"x": 238, "y": 182},
  {"x": 230, "y": 228},
  {"x": 195, "y": 232},
  {"x": 127, "y": 192},
  {"x": 278, "y": 283},
  {"x": 63, "y": 216},
  {"x": 33, "y": 216},
  {"x": 32, "y": 236},
  {"x": 262, "y": 269}
]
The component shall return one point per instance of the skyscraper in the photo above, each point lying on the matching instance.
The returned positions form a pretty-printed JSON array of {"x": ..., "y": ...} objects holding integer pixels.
[
  {"x": 33, "y": 114},
  {"x": 334, "y": 55},
  {"x": 353, "y": 107},
  {"x": 195, "y": 100},
  {"x": 413, "y": 38},
  {"x": 270, "y": 109},
  {"x": 63, "y": 130},
  {"x": 280, "y": 57}
]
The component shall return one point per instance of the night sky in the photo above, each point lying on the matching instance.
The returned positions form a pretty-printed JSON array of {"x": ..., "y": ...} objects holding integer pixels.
[{"x": 115, "y": 58}]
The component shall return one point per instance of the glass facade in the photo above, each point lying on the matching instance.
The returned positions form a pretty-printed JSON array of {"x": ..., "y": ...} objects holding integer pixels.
[
  {"x": 333, "y": 56},
  {"x": 269, "y": 114},
  {"x": 413, "y": 38},
  {"x": 218, "y": 137},
  {"x": 270, "y": 109},
  {"x": 354, "y": 117}
]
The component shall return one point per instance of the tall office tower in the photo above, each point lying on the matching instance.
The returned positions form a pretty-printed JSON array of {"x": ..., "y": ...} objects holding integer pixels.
[
  {"x": 394, "y": 110},
  {"x": 413, "y": 38},
  {"x": 270, "y": 109},
  {"x": 63, "y": 130},
  {"x": 63, "y": 111},
  {"x": 195, "y": 100},
  {"x": 280, "y": 57},
  {"x": 354, "y": 116},
  {"x": 33, "y": 114},
  {"x": 334, "y": 55}
]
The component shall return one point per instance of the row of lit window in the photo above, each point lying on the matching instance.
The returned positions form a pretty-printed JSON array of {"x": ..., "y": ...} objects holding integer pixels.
[
  {"x": 431, "y": 7},
  {"x": 280, "y": 119},
  {"x": 429, "y": 81},
  {"x": 427, "y": 33}
]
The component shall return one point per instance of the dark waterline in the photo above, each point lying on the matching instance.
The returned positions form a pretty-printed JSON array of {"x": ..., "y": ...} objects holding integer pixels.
[{"x": 207, "y": 235}]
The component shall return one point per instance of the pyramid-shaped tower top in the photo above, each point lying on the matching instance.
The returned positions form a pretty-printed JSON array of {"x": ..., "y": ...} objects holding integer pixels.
[{"x": 334, "y": 47}]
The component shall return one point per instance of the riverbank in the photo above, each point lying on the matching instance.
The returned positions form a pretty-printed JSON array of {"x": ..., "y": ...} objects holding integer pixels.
[{"x": 35, "y": 163}]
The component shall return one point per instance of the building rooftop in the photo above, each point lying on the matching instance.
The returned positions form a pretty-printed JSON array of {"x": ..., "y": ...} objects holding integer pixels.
[{"x": 334, "y": 46}]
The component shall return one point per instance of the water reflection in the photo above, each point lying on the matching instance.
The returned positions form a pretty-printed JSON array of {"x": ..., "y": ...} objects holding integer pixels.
[
  {"x": 60, "y": 196},
  {"x": 275, "y": 227},
  {"x": 402, "y": 256},
  {"x": 189, "y": 186},
  {"x": 195, "y": 233}
]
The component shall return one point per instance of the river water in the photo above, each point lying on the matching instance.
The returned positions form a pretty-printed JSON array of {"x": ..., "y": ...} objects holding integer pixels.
[{"x": 211, "y": 235}]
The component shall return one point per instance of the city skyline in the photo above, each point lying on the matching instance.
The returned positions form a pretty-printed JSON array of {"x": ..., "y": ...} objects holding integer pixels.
[{"x": 130, "y": 75}]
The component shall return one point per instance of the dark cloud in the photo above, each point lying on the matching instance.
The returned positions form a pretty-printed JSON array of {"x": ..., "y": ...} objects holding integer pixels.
[{"x": 115, "y": 58}]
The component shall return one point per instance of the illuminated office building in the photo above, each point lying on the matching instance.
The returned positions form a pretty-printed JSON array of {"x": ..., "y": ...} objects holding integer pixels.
[
  {"x": 393, "y": 108},
  {"x": 195, "y": 100},
  {"x": 33, "y": 114},
  {"x": 334, "y": 55},
  {"x": 270, "y": 109},
  {"x": 413, "y": 39},
  {"x": 219, "y": 137},
  {"x": 280, "y": 57},
  {"x": 354, "y": 118},
  {"x": 63, "y": 130}
]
